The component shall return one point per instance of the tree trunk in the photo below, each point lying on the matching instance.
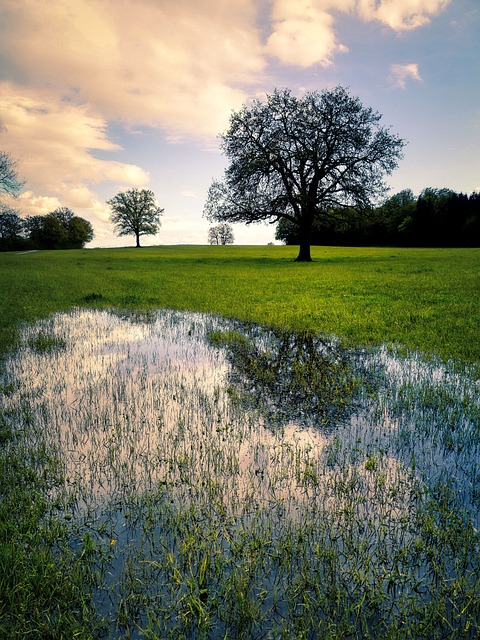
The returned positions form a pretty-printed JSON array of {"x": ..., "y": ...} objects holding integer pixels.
[
  {"x": 304, "y": 252},
  {"x": 137, "y": 235}
]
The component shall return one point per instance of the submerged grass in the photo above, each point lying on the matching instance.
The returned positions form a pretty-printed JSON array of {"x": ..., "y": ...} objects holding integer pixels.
[
  {"x": 183, "y": 480},
  {"x": 45, "y": 589}
]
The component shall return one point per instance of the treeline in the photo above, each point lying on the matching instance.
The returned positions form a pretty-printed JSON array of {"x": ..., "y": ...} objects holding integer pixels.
[
  {"x": 436, "y": 218},
  {"x": 59, "y": 229}
]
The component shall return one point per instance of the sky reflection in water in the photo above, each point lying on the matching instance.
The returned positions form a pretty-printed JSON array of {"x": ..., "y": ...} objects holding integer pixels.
[
  {"x": 182, "y": 399},
  {"x": 174, "y": 422}
]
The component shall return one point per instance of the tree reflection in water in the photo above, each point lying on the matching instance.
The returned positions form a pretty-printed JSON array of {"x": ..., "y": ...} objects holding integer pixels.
[{"x": 289, "y": 377}]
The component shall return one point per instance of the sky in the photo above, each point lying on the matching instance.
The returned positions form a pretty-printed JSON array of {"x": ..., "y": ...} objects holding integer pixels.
[{"x": 100, "y": 96}]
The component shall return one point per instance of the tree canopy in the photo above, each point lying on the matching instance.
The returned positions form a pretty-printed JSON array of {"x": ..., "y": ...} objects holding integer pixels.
[
  {"x": 435, "y": 218},
  {"x": 59, "y": 229},
  {"x": 221, "y": 234},
  {"x": 11, "y": 229},
  {"x": 135, "y": 212},
  {"x": 302, "y": 160}
]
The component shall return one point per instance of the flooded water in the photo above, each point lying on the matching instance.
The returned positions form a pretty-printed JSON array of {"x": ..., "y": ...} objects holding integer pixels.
[{"x": 208, "y": 458}]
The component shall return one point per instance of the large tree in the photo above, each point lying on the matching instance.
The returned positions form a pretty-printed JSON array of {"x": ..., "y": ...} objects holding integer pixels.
[
  {"x": 302, "y": 159},
  {"x": 135, "y": 212}
]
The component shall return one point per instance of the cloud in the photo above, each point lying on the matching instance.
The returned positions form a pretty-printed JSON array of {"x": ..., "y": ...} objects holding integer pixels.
[
  {"x": 401, "y": 15},
  {"x": 32, "y": 204},
  {"x": 55, "y": 142},
  {"x": 303, "y": 33},
  {"x": 400, "y": 73},
  {"x": 176, "y": 65},
  {"x": 69, "y": 69},
  {"x": 188, "y": 193}
]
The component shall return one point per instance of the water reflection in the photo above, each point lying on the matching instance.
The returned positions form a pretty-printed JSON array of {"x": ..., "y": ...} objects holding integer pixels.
[
  {"x": 174, "y": 423},
  {"x": 289, "y": 377},
  {"x": 131, "y": 400}
]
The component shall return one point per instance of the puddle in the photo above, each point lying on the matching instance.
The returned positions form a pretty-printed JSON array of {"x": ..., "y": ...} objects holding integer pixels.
[{"x": 183, "y": 437}]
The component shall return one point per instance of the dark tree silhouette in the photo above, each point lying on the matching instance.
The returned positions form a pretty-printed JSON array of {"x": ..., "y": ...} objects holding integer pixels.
[
  {"x": 80, "y": 231},
  {"x": 470, "y": 232},
  {"x": 396, "y": 215},
  {"x": 437, "y": 218},
  {"x": 11, "y": 229},
  {"x": 302, "y": 159},
  {"x": 135, "y": 212},
  {"x": 60, "y": 229}
]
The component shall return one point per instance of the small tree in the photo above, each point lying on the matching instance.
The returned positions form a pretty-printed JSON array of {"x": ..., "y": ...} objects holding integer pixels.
[
  {"x": 9, "y": 181},
  {"x": 213, "y": 236},
  {"x": 221, "y": 234},
  {"x": 302, "y": 159},
  {"x": 135, "y": 212}
]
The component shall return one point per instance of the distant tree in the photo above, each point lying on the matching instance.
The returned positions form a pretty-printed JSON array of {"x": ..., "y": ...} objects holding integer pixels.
[
  {"x": 63, "y": 214},
  {"x": 225, "y": 232},
  {"x": 80, "y": 231},
  {"x": 33, "y": 226},
  {"x": 337, "y": 228},
  {"x": 11, "y": 229},
  {"x": 470, "y": 231},
  {"x": 396, "y": 215},
  {"x": 59, "y": 229},
  {"x": 287, "y": 232},
  {"x": 438, "y": 217},
  {"x": 135, "y": 212},
  {"x": 53, "y": 233},
  {"x": 9, "y": 181},
  {"x": 75, "y": 230},
  {"x": 213, "y": 236},
  {"x": 302, "y": 159},
  {"x": 439, "y": 214},
  {"x": 221, "y": 234}
]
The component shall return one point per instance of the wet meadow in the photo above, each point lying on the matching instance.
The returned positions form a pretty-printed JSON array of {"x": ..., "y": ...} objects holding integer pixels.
[{"x": 198, "y": 443}]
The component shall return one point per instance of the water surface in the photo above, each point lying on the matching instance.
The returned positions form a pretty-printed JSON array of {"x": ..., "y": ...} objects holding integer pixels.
[{"x": 207, "y": 457}]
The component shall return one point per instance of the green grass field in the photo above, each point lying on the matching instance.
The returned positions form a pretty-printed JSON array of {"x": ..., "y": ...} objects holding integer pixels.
[{"x": 423, "y": 299}]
